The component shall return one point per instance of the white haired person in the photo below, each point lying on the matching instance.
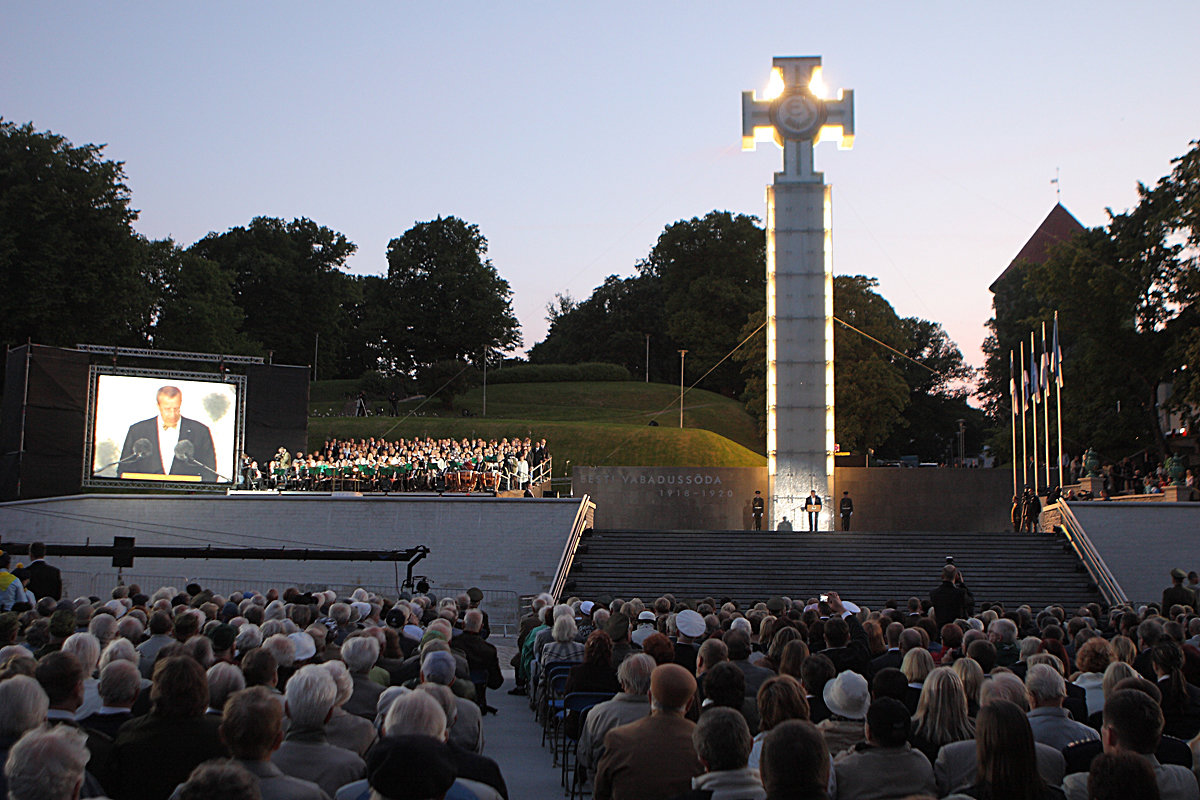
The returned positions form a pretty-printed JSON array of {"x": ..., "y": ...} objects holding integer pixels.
[
  {"x": 120, "y": 684},
  {"x": 359, "y": 653},
  {"x": 306, "y": 752},
  {"x": 47, "y": 763},
  {"x": 25, "y": 704},
  {"x": 482, "y": 659},
  {"x": 350, "y": 731}
]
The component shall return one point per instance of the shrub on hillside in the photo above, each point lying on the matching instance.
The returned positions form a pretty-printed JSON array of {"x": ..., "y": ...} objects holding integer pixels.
[
  {"x": 553, "y": 373},
  {"x": 376, "y": 384}
]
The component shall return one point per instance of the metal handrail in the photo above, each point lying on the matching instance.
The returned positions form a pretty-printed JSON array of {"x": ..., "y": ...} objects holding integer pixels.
[
  {"x": 583, "y": 521},
  {"x": 1077, "y": 537}
]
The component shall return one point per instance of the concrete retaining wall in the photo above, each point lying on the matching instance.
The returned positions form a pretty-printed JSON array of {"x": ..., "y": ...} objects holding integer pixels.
[
  {"x": 1142, "y": 542},
  {"x": 506, "y": 546}
]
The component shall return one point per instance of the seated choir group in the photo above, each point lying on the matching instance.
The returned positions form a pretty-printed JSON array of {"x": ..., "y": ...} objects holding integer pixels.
[
  {"x": 192, "y": 695},
  {"x": 404, "y": 465}
]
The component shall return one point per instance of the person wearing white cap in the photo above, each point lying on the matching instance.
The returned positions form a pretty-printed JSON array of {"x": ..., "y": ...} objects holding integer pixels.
[
  {"x": 691, "y": 627},
  {"x": 848, "y": 697},
  {"x": 585, "y": 623},
  {"x": 645, "y": 628}
]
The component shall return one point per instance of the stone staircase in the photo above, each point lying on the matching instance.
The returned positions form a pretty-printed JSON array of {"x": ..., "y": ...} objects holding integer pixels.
[{"x": 868, "y": 568}]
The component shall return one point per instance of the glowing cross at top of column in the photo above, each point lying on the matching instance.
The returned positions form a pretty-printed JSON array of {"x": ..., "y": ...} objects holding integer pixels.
[{"x": 796, "y": 116}]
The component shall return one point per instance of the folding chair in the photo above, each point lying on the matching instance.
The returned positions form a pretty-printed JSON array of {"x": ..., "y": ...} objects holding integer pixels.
[{"x": 579, "y": 703}]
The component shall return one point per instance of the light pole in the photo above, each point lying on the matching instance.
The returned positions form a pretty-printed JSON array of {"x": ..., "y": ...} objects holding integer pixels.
[
  {"x": 682, "y": 353},
  {"x": 647, "y": 358},
  {"x": 962, "y": 443}
]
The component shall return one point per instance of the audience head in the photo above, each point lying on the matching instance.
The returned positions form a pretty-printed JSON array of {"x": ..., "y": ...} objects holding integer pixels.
[
  {"x": 438, "y": 668},
  {"x": 1045, "y": 686},
  {"x": 311, "y": 694},
  {"x": 252, "y": 724},
  {"x": 360, "y": 653},
  {"x": 672, "y": 688},
  {"x": 634, "y": 674},
  {"x": 780, "y": 698},
  {"x": 416, "y": 714},
  {"x": 1120, "y": 776},
  {"x": 25, "y": 705},
  {"x": 1004, "y": 747},
  {"x": 47, "y": 763},
  {"x": 725, "y": 685},
  {"x": 222, "y": 778},
  {"x": 1133, "y": 723},
  {"x": 62, "y": 677},
  {"x": 1007, "y": 687},
  {"x": 409, "y": 766},
  {"x": 223, "y": 680},
  {"x": 722, "y": 739},
  {"x": 917, "y": 664},
  {"x": 795, "y": 761},
  {"x": 887, "y": 723},
  {"x": 120, "y": 682}
]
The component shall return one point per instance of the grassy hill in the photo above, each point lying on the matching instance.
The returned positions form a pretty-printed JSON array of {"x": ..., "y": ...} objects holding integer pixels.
[{"x": 602, "y": 423}]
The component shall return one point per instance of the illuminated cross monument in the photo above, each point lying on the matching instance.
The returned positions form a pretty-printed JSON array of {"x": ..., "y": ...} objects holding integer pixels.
[{"x": 800, "y": 440}]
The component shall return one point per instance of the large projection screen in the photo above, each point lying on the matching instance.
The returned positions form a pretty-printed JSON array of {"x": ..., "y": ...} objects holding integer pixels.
[{"x": 163, "y": 430}]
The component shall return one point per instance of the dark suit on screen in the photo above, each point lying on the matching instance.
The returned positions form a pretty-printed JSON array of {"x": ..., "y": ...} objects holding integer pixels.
[{"x": 195, "y": 432}]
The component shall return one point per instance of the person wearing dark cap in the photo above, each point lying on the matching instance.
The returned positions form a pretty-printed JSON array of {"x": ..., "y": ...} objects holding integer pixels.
[
  {"x": 474, "y": 598},
  {"x": 653, "y": 758},
  {"x": 1177, "y": 593},
  {"x": 223, "y": 637},
  {"x": 410, "y": 767},
  {"x": 885, "y": 765},
  {"x": 846, "y": 510},
  {"x": 617, "y": 629},
  {"x": 757, "y": 507}
]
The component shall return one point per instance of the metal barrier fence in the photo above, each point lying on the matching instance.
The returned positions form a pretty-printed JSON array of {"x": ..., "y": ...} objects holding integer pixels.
[{"x": 502, "y": 606}]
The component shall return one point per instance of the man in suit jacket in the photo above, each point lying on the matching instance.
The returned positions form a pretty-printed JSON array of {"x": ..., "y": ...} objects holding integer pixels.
[
  {"x": 163, "y": 433},
  {"x": 44, "y": 580},
  {"x": 653, "y": 758}
]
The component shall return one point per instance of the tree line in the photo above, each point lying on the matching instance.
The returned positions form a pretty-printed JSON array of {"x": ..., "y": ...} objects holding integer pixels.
[{"x": 73, "y": 269}]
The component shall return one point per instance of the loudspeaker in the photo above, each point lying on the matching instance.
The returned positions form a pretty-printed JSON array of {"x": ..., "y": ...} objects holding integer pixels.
[
  {"x": 44, "y": 413},
  {"x": 122, "y": 551},
  {"x": 276, "y": 411}
]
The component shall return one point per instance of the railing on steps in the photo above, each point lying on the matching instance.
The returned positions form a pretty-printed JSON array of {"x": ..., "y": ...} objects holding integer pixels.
[
  {"x": 584, "y": 520},
  {"x": 1059, "y": 517}
]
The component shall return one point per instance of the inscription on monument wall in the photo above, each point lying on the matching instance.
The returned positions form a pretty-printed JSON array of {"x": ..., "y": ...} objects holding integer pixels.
[{"x": 671, "y": 498}]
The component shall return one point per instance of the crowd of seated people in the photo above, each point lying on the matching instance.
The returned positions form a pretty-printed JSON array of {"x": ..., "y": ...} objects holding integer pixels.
[
  {"x": 403, "y": 465},
  {"x": 822, "y": 699},
  {"x": 189, "y": 694}
]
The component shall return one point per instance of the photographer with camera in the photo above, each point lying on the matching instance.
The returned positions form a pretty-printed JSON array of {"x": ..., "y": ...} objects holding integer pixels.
[{"x": 952, "y": 600}]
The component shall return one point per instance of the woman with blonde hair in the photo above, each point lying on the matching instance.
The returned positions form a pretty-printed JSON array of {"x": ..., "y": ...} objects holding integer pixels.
[
  {"x": 971, "y": 675},
  {"x": 792, "y": 661},
  {"x": 941, "y": 716},
  {"x": 1114, "y": 673},
  {"x": 1125, "y": 649},
  {"x": 917, "y": 664}
]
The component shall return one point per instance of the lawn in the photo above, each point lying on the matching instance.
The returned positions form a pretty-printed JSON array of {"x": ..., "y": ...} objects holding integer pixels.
[{"x": 603, "y": 423}]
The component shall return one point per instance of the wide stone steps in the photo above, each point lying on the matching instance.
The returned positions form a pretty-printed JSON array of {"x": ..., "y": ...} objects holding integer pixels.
[{"x": 869, "y": 568}]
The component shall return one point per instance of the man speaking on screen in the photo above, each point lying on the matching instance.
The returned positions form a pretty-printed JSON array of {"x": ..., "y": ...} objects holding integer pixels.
[{"x": 170, "y": 443}]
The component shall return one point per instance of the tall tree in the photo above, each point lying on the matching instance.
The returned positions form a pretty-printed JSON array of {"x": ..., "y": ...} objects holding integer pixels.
[
  {"x": 713, "y": 276},
  {"x": 70, "y": 262},
  {"x": 288, "y": 280},
  {"x": 446, "y": 298},
  {"x": 611, "y": 326},
  {"x": 196, "y": 309}
]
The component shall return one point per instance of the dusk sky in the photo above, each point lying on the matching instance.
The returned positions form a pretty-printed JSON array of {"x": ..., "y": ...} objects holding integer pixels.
[{"x": 572, "y": 134}]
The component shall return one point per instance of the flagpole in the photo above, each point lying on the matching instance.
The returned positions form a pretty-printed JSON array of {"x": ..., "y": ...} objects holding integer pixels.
[
  {"x": 1034, "y": 392},
  {"x": 1045, "y": 378},
  {"x": 1012, "y": 392},
  {"x": 1056, "y": 355},
  {"x": 1024, "y": 436}
]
